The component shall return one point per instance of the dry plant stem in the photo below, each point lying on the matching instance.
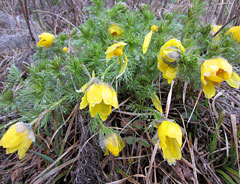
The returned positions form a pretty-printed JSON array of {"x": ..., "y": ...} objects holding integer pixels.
[
  {"x": 58, "y": 16},
  {"x": 38, "y": 18},
  {"x": 193, "y": 162},
  {"x": 25, "y": 13},
  {"x": 199, "y": 94},
  {"x": 235, "y": 138},
  {"x": 234, "y": 17},
  {"x": 157, "y": 145}
]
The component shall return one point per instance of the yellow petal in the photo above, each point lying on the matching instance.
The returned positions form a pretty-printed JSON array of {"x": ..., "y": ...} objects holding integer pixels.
[
  {"x": 161, "y": 65},
  {"x": 173, "y": 151},
  {"x": 84, "y": 87},
  {"x": 94, "y": 110},
  {"x": 104, "y": 111},
  {"x": 107, "y": 94},
  {"x": 109, "y": 55},
  {"x": 94, "y": 94},
  {"x": 12, "y": 150},
  {"x": 156, "y": 102},
  {"x": 24, "y": 147},
  {"x": 209, "y": 89},
  {"x": 234, "y": 81},
  {"x": 115, "y": 100},
  {"x": 123, "y": 67},
  {"x": 236, "y": 32},
  {"x": 170, "y": 74},
  {"x": 114, "y": 144},
  {"x": 146, "y": 42},
  {"x": 11, "y": 138},
  {"x": 84, "y": 102}
]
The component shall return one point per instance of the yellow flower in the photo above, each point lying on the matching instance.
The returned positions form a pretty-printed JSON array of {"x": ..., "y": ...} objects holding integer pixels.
[
  {"x": 19, "y": 137},
  {"x": 115, "y": 50},
  {"x": 100, "y": 97},
  {"x": 215, "y": 28},
  {"x": 215, "y": 71},
  {"x": 65, "y": 49},
  {"x": 115, "y": 30},
  {"x": 113, "y": 144},
  {"x": 46, "y": 40},
  {"x": 170, "y": 52},
  {"x": 235, "y": 32},
  {"x": 170, "y": 136},
  {"x": 148, "y": 37}
]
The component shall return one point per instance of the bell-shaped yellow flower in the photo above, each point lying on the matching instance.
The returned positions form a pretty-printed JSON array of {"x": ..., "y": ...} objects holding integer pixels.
[
  {"x": 170, "y": 52},
  {"x": 115, "y": 30},
  {"x": 65, "y": 49},
  {"x": 18, "y": 137},
  {"x": 115, "y": 50},
  {"x": 114, "y": 144},
  {"x": 215, "y": 28},
  {"x": 100, "y": 97},
  {"x": 235, "y": 32},
  {"x": 148, "y": 37},
  {"x": 215, "y": 71},
  {"x": 170, "y": 136},
  {"x": 46, "y": 40}
]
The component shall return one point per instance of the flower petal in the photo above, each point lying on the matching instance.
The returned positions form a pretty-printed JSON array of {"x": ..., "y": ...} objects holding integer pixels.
[
  {"x": 107, "y": 94},
  {"x": 94, "y": 94},
  {"x": 156, "y": 102},
  {"x": 24, "y": 147},
  {"x": 170, "y": 74},
  {"x": 84, "y": 102},
  {"x": 234, "y": 81},
  {"x": 209, "y": 89},
  {"x": 146, "y": 42}
]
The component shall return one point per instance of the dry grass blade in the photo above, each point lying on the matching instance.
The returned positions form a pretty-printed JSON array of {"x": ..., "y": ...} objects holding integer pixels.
[
  {"x": 124, "y": 179},
  {"x": 169, "y": 98},
  {"x": 235, "y": 138},
  {"x": 40, "y": 178}
]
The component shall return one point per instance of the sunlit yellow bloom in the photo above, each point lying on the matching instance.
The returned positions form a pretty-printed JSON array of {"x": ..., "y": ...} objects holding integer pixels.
[
  {"x": 65, "y": 49},
  {"x": 215, "y": 28},
  {"x": 215, "y": 71},
  {"x": 46, "y": 40},
  {"x": 235, "y": 32},
  {"x": 170, "y": 52},
  {"x": 100, "y": 97},
  {"x": 148, "y": 37},
  {"x": 18, "y": 137},
  {"x": 170, "y": 136},
  {"x": 115, "y": 50},
  {"x": 115, "y": 30},
  {"x": 113, "y": 144}
]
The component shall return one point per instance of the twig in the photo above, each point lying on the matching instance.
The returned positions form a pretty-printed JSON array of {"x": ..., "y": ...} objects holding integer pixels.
[{"x": 25, "y": 13}]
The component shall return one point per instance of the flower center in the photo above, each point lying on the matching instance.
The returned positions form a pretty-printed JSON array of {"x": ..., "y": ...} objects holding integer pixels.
[
  {"x": 118, "y": 52},
  {"x": 114, "y": 34},
  {"x": 220, "y": 71}
]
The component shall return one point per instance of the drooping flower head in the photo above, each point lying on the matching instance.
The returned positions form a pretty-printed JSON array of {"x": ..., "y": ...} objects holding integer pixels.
[
  {"x": 170, "y": 52},
  {"x": 113, "y": 144},
  {"x": 235, "y": 32},
  {"x": 115, "y": 50},
  {"x": 115, "y": 30},
  {"x": 215, "y": 71},
  {"x": 18, "y": 137},
  {"x": 148, "y": 37},
  {"x": 215, "y": 28},
  {"x": 170, "y": 136},
  {"x": 100, "y": 97},
  {"x": 46, "y": 40}
]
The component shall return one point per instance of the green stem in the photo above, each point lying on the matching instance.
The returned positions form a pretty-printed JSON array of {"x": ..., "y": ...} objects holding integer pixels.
[{"x": 106, "y": 71}]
